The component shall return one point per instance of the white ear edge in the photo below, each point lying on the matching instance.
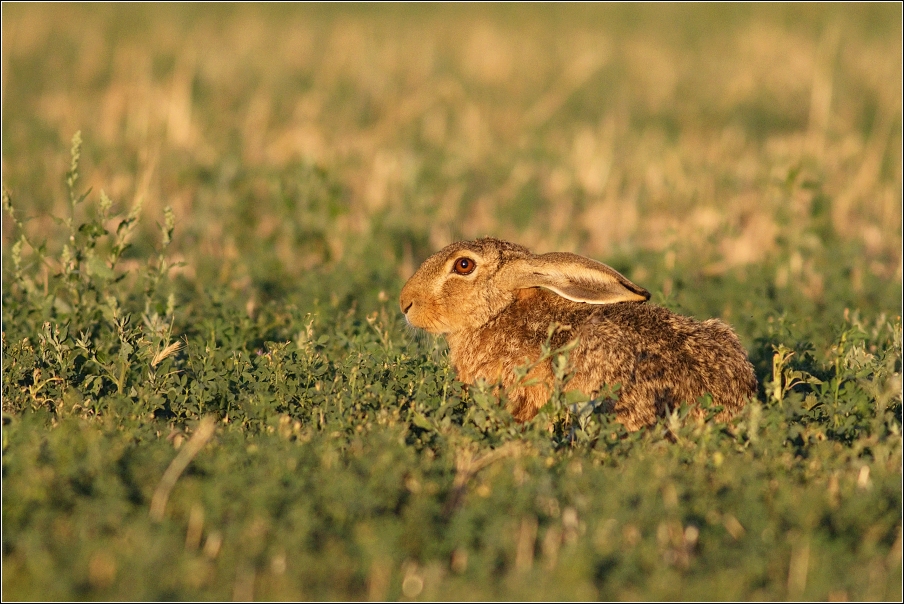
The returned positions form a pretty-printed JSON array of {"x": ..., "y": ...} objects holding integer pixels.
[
  {"x": 577, "y": 293},
  {"x": 575, "y": 278}
]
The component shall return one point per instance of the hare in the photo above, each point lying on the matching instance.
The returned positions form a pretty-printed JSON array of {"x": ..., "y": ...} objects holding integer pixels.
[{"x": 495, "y": 301}]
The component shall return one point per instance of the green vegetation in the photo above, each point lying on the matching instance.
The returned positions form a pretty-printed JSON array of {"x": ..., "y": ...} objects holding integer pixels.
[{"x": 209, "y": 391}]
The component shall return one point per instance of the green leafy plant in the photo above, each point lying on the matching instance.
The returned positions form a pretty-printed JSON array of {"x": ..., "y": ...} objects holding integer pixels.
[{"x": 259, "y": 423}]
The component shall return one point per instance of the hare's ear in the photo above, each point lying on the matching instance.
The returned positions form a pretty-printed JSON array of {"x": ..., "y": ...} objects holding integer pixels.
[{"x": 574, "y": 277}]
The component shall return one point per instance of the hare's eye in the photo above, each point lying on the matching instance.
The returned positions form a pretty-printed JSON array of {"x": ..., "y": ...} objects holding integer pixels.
[{"x": 464, "y": 266}]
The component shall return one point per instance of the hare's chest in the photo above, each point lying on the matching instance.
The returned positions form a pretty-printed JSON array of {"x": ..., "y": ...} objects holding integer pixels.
[{"x": 491, "y": 358}]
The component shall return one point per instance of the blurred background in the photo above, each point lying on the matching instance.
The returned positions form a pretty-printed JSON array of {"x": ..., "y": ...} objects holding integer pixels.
[{"x": 683, "y": 144}]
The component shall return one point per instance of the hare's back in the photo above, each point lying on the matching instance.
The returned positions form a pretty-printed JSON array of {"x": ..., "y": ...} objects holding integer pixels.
[
  {"x": 646, "y": 326},
  {"x": 654, "y": 349}
]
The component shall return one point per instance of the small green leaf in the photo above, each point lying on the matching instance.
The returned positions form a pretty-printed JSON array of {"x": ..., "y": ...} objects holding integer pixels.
[
  {"x": 98, "y": 268},
  {"x": 576, "y": 396},
  {"x": 420, "y": 421}
]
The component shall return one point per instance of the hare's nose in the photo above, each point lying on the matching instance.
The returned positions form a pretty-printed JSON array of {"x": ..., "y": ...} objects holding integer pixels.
[{"x": 406, "y": 301}]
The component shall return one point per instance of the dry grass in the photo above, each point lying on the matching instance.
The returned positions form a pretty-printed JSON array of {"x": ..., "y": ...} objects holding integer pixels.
[{"x": 599, "y": 130}]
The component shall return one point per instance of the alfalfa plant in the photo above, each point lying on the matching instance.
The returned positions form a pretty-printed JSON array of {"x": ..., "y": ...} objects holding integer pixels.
[{"x": 70, "y": 336}]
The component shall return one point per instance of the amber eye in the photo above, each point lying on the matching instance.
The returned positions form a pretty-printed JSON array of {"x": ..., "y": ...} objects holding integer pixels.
[{"x": 464, "y": 266}]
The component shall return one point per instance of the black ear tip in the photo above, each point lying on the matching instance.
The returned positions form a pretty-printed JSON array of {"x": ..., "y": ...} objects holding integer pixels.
[{"x": 638, "y": 291}]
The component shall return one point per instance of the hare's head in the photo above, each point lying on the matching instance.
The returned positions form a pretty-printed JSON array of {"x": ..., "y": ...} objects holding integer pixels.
[{"x": 465, "y": 284}]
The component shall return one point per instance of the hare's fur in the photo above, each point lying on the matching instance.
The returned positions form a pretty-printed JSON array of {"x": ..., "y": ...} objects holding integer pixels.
[{"x": 497, "y": 317}]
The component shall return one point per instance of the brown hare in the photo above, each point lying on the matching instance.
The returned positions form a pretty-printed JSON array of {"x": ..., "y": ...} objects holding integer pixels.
[{"x": 494, "y": 301}]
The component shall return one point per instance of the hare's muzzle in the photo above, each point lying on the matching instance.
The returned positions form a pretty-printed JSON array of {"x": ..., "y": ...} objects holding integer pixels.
[
  {"x": 413, "y": 309},
  {"x": 406, "y": 301}
]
